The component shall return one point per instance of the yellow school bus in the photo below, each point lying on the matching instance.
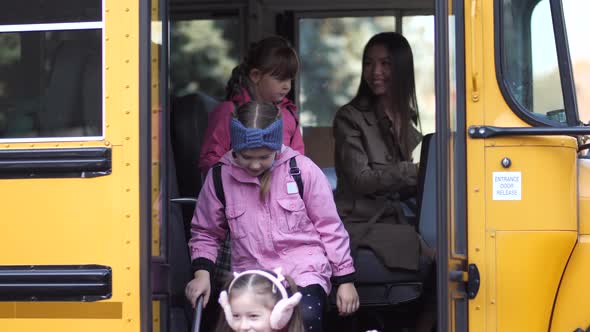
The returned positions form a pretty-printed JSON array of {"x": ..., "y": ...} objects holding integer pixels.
[{"x": 103, "y": 105}]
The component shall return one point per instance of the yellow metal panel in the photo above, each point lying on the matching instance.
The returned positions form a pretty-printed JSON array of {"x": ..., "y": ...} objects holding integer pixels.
[
  {"x": 529, "y": 266},
  {"x": 571, "y": 308},
  {"x": 90, "y": 220},
  {"x": 156, "y": 316},
  {"x": 548, "y": 188},
  {"x": 584, "y": 195}
]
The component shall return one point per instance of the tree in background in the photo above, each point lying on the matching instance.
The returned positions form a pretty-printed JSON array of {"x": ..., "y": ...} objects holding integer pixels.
[{"x": 202, "y": 55}]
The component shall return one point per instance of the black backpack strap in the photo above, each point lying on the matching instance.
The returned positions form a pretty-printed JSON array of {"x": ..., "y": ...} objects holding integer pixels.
[
  {"x": 296, "y": 174},
  {"x": 218, "y": 183}
]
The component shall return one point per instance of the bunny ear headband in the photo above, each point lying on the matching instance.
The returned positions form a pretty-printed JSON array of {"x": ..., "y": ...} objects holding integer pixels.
[{"x": 282, "y": 311}]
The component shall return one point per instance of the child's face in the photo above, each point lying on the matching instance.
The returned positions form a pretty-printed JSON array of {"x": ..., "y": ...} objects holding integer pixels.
[
  {"x": 255, "y": 161},
  {"x": 270, "y": 88},
  {"x": 249, "y": 314}
]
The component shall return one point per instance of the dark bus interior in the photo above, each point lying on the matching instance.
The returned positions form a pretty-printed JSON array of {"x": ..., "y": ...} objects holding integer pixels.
[{"x": 207, "y": 38}]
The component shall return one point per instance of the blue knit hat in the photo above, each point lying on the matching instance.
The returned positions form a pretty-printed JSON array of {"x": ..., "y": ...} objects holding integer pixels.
[{"x": 243, "y": 138}]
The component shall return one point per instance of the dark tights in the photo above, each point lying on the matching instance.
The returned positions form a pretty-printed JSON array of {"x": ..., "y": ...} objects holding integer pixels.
[{"x": 312, "y": 307}]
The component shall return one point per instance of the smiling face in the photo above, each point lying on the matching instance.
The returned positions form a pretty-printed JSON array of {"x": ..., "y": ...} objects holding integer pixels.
[
  {"x": 255, "y": 161},
  {"x": 377, "y": 70},
  {"x": 249, "y": 314}
]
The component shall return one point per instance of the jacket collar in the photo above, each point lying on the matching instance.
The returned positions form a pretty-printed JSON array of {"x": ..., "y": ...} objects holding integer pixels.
[{"x": 240, "y": 174}]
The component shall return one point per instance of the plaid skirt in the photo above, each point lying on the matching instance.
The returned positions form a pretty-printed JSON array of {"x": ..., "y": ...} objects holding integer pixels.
[{"x": 222, "y": 272}]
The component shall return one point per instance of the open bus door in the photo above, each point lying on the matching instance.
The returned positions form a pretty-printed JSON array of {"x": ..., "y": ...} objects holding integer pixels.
[{"x": 453, "y": 288}]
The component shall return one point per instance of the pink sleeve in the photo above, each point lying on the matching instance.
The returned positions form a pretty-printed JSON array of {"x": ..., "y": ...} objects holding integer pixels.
[
  {"x": 321, "y": 209},
  {"x": 208, "y": 226},
  {"x": 216, "y": 141}
]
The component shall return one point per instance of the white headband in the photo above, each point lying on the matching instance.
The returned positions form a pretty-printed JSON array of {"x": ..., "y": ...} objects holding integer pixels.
[{"x": 277, "y": 281}]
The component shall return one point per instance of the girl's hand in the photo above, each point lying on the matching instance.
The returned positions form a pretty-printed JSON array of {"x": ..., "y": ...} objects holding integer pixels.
[
  {"x": 347, "y": 299},
  {"x": 200, "y": 285}
]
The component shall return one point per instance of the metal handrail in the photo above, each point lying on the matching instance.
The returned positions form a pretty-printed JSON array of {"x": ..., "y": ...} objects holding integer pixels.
[{"x": 198, "y": 314}]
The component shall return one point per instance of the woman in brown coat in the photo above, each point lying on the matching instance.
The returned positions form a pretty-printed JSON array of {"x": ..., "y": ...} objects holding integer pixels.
[{"x": 375, "y": 136}]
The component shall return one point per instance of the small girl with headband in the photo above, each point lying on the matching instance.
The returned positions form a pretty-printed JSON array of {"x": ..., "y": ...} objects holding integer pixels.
[
  {"x": 279, "y": 211},
  {"x": 258, "y": 300}
]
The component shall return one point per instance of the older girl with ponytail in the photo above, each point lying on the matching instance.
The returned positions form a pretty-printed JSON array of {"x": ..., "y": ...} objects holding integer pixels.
[
  {"x": 265, "y": 75},
  {"x": 274, "y": 219}
]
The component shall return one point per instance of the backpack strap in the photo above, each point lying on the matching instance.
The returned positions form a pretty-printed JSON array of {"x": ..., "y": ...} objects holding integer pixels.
[
  {"x": 296, "y": 125},
  {"x": 218, "y": 183},
  {"x": 296, "y": 174}
]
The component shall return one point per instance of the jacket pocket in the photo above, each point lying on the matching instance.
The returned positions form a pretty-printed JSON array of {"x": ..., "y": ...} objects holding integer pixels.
[
  {"x": 235, "y": 220},
  {"x": 292, "y": 216}
]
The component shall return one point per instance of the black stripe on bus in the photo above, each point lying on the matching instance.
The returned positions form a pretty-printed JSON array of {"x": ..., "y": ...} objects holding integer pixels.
[
  {"x": 55, "y": 163},
  {"x": 80, "y": 283}
]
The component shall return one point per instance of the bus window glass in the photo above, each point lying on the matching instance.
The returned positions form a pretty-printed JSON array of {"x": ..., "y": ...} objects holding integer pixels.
[
  {"x": 419, "y": 30},
  {"x": 330, "y": 50},
  {"x": 547, "y": 95},
  {"x": 576, "y": 16},
  {"x": 529, "y": 59},
  {"x": 54, "y": 11},
  {"x": 50, "y": 83},
  {"x": 203, "y": 54}
]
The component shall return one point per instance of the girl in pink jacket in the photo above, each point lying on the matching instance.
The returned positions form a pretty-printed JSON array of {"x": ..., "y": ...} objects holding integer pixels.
[
  {"x": 265, "y": 75},
  {"x": 273, "y": 221}
]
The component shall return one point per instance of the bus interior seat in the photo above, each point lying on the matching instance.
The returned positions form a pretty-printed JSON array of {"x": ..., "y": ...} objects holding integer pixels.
[
  {"x": 70, "y": 106},
  {"x": 330, "y": 173},
  {"x": 379, "y": 286},
  {"x": 188, "y": 121}
]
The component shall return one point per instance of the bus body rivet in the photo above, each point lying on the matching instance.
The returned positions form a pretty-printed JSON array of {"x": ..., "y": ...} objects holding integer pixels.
[
  {"x": 477, "y": 307},
  {"x": 127, "y": 138},
  {"x": 492, "y": 236},
  {"x": 127, "y": 216},
  {"x": 493, "y": 301},
  {"x": 128, "y": 189},
  {"x": 476, "y": 190},
  {"x": 477, "y": 249}
]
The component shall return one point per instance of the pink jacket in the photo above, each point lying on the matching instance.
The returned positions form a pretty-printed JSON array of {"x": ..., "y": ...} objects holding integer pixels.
[
  {"x": 304, "y": 237},
  {"x": 216, "y": 141}
]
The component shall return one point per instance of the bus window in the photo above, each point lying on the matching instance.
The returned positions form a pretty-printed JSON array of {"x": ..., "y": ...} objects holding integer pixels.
[
  {"x": 529, "y": 71},
  {"x": 576, "y": 24},
  {"x": 547, "y": 95},
  {"x": 50, "y": 70},
  {"x": 202, "y": 55},
  {"x": 330, "y": 50},
  {"x": 419, "y": 30}
]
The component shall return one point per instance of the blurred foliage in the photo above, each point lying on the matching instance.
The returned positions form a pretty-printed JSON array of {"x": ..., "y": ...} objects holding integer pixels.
[
  {"x": 202, "y": 55},
  {"x": 331, "y": 51}
]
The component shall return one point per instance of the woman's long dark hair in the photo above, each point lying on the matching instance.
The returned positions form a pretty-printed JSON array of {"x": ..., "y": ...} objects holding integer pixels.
[
  {"x": 403, "y": 87},
  {"x": 272, "y": 55}
]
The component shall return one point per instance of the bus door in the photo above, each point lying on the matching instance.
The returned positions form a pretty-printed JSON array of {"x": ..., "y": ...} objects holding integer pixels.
[
  {"x": 524, "y": 128},
  {"x": 74, "y": 183},
  {"x": 456, "y": 280}
]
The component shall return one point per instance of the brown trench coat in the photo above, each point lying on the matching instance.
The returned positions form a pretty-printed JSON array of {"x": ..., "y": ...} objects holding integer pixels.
[{"x": 373, "y": 171}]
